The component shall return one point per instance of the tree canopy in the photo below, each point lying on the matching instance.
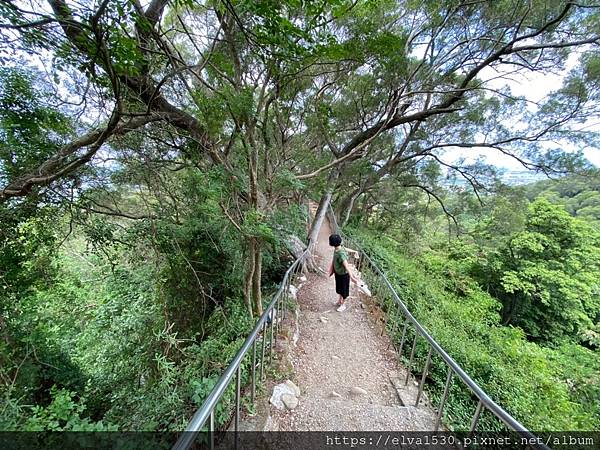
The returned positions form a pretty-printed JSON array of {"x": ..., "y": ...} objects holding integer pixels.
[
  {"x": 170, "y": 147},
  {"x": 326, "y": 84}
]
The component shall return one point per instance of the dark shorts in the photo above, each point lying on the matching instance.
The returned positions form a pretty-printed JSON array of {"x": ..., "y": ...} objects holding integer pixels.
[{"x": 342, "y": 285}]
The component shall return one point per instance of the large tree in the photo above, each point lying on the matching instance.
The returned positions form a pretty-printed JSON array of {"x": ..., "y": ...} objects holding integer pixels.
[
  {"x": 437, "y": 76},
  {"x": 277, "y": 95},
  {"x": 545, "y": 274}
]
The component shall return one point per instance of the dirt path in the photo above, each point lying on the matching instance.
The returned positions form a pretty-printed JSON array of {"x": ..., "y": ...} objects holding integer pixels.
[{"x": 340, "y": 354}]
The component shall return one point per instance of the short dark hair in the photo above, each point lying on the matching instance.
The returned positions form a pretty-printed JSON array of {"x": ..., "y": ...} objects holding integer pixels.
[{"x": 335, "y": 240}]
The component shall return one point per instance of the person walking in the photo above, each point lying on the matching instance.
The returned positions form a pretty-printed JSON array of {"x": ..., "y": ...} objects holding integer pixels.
[{"x": 342, "y": 271}]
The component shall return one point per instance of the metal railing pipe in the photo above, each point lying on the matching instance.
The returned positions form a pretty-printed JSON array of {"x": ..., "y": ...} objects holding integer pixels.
[
  {"x": 206, "y": 410},
  {"x": 486, "y": 401},
  {"x": 489, "y": 404},
  {"x": 425, "y": 370}
]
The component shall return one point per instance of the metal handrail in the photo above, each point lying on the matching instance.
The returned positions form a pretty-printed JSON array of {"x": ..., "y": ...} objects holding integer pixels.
[
  {"x": 206, "y": 411},
  {"x": 453, "y": 367},
  {"x": 270, "y": 315}
]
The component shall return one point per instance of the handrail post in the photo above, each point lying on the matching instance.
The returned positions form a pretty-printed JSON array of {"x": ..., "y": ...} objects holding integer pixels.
[
  {"x": 276, "y": 318},
  {"x": 443, "y": 400},
  {"x": 412, "y": 354},
  {"x": 253, "y": 393},
  {"x": 237, "y": 398},
  {"x": 211, "y": 430},
  {"x": 382, "y": 297},
  {"x": 393, "y": 331},
  {"x": 281, "y": 304},
  {"x": 286, "y": 296},
  {"x": 402, "y": 339},
  {"x": 476, "y": 416},
  {"x": 271, "y": 342},
  {"x": 380, "y": 291},
  {"x": 425, "y": 370},
  {"x": 262, "y": 358}
]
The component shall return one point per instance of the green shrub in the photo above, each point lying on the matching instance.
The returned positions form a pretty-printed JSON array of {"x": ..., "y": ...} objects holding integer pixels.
[
  {"x": 533, "y": 383},
  {"x": 64, "y": 413}
]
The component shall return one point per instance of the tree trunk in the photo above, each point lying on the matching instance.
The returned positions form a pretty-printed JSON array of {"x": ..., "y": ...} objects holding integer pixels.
[
  {"x": 318, "y": 220},
  {"x": 346, "y": 207},
  {"x": 508, "y": 310},
  {"x": 248, "y": 279},
  {"x": 255, "y": 255},
  {"x": 256, "y": 279},
  {"x": 295, "y": 246}
]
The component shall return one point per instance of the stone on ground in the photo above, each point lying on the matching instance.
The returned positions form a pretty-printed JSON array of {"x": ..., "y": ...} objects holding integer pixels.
[
  {"x": 355, "y": 390},
  {"x": 278, "y": 392},
  {"x": 294, "y": 388},
  {"x": 290, "y": 401}
]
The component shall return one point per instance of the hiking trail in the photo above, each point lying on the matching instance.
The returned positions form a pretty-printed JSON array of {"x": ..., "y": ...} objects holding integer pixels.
[{"x": 347, "y": 372}]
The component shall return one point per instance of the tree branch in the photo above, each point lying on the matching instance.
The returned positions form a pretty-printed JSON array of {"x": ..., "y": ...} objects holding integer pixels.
[
  {"x": 60, "y": 164},
  {"x": 439, "y": 200}
]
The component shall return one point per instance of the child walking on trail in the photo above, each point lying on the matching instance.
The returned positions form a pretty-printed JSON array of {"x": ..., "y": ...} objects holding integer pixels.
[{"x": 341, "y": 269}]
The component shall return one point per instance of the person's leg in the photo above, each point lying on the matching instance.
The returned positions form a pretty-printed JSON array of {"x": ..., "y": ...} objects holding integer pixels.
[
  {"x": 338, "y": 289},
  {"x": 344, "y": 291},
  {"x": 342, "y": 305}
]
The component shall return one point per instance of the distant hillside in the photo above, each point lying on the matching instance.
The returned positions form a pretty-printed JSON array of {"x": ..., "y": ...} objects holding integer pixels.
[
  {"x": 579, "y": 194},
  {"x": 520, "y": 177},
  {"x": 511, "y": 177}
]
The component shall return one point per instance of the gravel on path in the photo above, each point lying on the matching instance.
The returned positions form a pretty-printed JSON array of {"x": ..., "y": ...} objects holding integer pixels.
[{"x": 343, "y": 365}]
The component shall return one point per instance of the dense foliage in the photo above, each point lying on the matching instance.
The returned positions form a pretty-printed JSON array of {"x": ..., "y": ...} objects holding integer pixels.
[
  {"x": 156, "y": 159},
  {"x": 111, "y": 323},
  {"x": 546, "y": 274},
  {"x": 580, "y": 195},
  {"x": 516, "y": 306}
]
